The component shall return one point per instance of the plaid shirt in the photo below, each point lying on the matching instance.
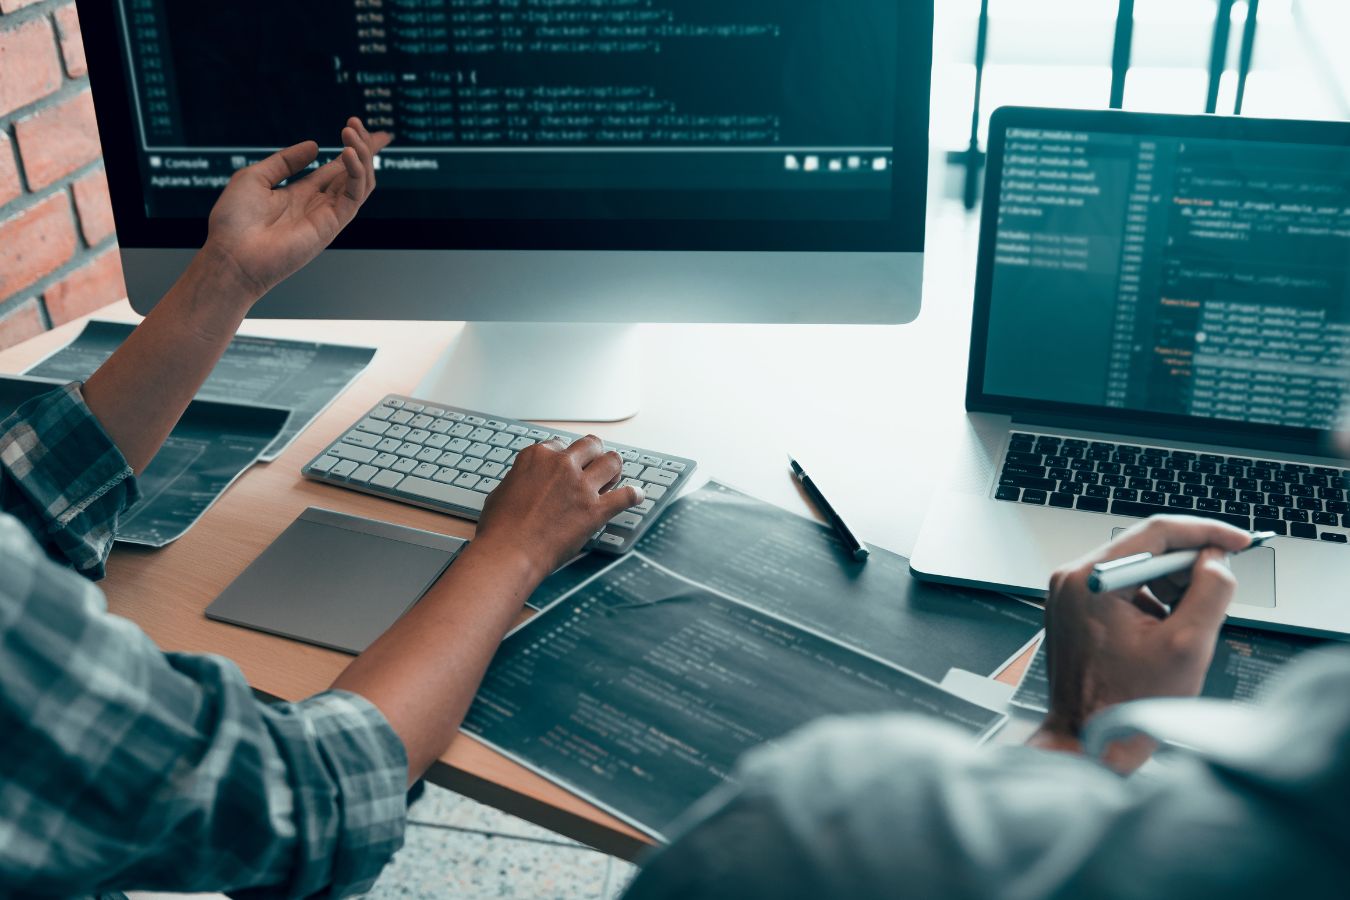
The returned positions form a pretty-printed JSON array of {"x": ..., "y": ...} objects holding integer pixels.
[{"x": 123, "y": 767}]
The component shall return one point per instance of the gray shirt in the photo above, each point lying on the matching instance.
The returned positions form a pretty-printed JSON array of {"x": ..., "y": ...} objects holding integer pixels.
[{"x": 900, "y": 806}]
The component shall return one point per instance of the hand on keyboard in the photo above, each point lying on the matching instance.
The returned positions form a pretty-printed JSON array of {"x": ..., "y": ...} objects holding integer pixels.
[{"x": 554, "y": 499}]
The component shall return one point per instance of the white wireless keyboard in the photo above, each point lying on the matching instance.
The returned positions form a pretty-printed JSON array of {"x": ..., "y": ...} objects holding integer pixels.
[{"x": 450, "y": 459}]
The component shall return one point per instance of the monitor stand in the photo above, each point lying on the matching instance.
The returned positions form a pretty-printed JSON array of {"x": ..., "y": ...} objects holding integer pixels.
[{"x": 540, "y": 371}]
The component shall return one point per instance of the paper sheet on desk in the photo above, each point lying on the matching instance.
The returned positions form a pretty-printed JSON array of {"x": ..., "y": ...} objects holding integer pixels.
[
  {"x": 796, "y": 568},
  {"x": 211, "y": 446},
  {"x": 302, "y": 376},
  {"x": 640, "y": 689}
]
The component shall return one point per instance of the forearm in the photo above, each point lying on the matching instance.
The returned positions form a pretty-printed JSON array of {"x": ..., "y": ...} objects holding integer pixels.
[
  {"x": 139, "y": 394},
  {"x": 424, "y": 671}
]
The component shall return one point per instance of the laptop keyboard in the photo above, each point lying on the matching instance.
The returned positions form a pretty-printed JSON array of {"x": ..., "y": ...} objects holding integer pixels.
[{"x": 1292, "y": 499}]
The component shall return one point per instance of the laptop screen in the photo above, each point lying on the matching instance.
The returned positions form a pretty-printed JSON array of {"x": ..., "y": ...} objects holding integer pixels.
[{"x": 1193, "y": 277}]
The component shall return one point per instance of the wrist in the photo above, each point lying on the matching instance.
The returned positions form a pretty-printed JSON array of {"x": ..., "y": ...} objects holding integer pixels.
[
  {"x": 217, "y": 270},
  {"x": 509, "y": 559}
]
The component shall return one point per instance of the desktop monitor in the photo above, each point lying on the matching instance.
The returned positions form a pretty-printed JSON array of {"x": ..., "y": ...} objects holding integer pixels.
[{"x": 561, "y": 168}]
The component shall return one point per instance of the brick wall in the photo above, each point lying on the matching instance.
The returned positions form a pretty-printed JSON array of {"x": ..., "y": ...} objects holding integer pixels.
[{"x": 58, "y": 251}]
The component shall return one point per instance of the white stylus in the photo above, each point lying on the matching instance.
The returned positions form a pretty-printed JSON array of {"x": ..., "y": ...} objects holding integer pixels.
[{"x": 1141, "y": 568}]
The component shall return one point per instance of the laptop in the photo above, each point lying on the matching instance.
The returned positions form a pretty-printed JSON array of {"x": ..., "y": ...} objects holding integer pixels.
[{"x": 1161, "y": 321}]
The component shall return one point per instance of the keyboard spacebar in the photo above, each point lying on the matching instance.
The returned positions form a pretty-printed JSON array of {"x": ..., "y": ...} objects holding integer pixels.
[
  {"x": 442, "y": 493},
  {"x": 1141, "y": 510}
]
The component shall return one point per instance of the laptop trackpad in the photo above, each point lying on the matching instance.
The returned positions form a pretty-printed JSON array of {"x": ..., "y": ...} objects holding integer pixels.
[{"x": 1255, "y": 571}]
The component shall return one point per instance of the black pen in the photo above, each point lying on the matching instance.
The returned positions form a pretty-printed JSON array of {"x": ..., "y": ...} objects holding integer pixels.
[{"x": 855, "y": 546}]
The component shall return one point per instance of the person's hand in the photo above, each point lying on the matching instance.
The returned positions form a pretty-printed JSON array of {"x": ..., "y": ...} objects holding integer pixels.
[
  {"x": 552, "y": 501},
  {"x": 265, "y": 233},
  {"x": 1156, "y": 640}
]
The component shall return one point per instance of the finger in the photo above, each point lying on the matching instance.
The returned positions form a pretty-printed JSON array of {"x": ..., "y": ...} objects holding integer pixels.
[
  {"x": 285, "y": 163},
  {"x": 1202, "y": 609},
  {"x": 375, "y": 140},
  {"x": 621, "y": 498},
  {"x": 364, "y": 172},
  {"x": 1163, "y": 533},
  {"x": 1146, "y": 602},
  {"x": 355, "y": 187},
  {"x": 586, "y": 450},
  {"x": 1169, "y": 588},
  {"x": 604, "y": 470}
]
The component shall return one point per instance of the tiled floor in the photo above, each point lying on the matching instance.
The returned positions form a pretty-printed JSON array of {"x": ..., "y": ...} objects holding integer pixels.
[{"x": 456, "y": 848}]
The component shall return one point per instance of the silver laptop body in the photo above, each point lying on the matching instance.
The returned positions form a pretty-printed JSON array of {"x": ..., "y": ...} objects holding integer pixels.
[{"x": 1161, "y": 318}]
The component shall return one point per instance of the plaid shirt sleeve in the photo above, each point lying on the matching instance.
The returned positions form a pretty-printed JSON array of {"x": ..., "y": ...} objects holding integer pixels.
[
  {"x": 126, "y": 768},
  {"x": 64, "y": 478}
]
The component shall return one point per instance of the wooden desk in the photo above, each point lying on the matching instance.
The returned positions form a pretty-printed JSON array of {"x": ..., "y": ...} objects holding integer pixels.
[{"x": 733, "y": 397}]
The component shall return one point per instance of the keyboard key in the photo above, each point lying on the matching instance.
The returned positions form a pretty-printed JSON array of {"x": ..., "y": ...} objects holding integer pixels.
[
  {"x": 384, "y": 460},
  {"x": 372, "y": 426},
  {"x": 427, "y": 454},
  {"x": 408, "y": 449},
  {"x": 1092, "y": 504},
  {"x": 404, "y": 465},
  {"x": 490, "y": 469},
  {"x": 1333, "y": 536},
  {"x": 402, "y": 417},
  {"x": 626, "y": 520},
  {"x": 324, "y": 463},
  {"x": 655, "y": 491},
  {"x": 466, "y": 480},
  {"x": 1027, "y": 471},
  {"x": 469, "y": 464},
  {"x": 480, "y": 435},
  {"x": 1125, "y": 494},
  {"x": 1068, "y": 487},
  {"x": 1238, "y": 508},
  {"x": 1326, "y": 518},
  {"x": 1195, "y": 490},
  {"x": 348, "y": 452},
  {"x": 1207, "y": 505},
  {"x": 498, "y": 455},
  {"x": 1252, "y": 497},
  {"x": 648, "y": 460},
  {"x": 1295, "y": 515},
  {"x": 382, "y": 414},
  {"x": 388, "y": 445},
  {"x": 1096, "y": 490},
  {"x": 343, "y": 468},
  {"x": 1063, "y": 501},
  {"x": 386, "y": 479},
  {"x": 1275, "y": 525},
  {"x": 398, "y": 432},
  {"x": 539, "y": 435},
  {"x": 479, "y": 450},
  {"x": 1143, "y": 510},
  {"x": 426, "y": 470},
  {"x": 613, "y": 540},
  {"x": 1180, "y": 501},
  {"x": 501, "y": 439},
  {"x": 1040, "y": 484},
  {"x": 1168, "y": 487},
  {"x": 438, "y": 441},
  {"x": 411, "y": 406},
  {"x": 520, "y": 443},
  {"x": 486, "y": 485},
  {"x": 1156, "y": 498},
  {"x": 1034, "y": 496},
  {"x": 421, "y": 421},
  {"x": 632, "y": 469},
  {"x": 1311, "y": 504},
  {"x": 1220, "y": 493},
  {"x": 659, "y": 476},
  {"x": 393, "y": 403},
  {"x": 1303, "y": 530},
  {"x": 475, "y": 420},
  {"x": 644, "y": 507},
  {"x": 449, "y": 459},
  {"x": 673, "y": 465},
  {"x": 364, "y": 474},
  {"x": 446, "y": 475}
]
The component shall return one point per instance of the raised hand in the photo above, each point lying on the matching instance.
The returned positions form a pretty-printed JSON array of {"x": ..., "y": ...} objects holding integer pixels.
[{"x": 267, "y": 233}]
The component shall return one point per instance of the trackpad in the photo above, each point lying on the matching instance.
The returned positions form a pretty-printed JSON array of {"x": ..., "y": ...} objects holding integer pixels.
[{"x": 1255, "y": 571}]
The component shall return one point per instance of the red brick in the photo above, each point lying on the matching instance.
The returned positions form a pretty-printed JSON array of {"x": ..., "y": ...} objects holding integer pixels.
[
  {"x": 28, "y": 62},
  {"x": 10, "y": 5},
  {"x": 58, "y": 140},
  {"x": 94, "y": 207},
  {"x": 88, "y": 288},
  {"x": 9, "y": 172},
  {"x": 35, "y": 243},
  {"x": 20, "y": 323},
  {"x": 72, "y": 42}
]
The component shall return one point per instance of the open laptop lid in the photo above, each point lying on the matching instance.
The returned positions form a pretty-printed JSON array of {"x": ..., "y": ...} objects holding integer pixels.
[{"x": 1171, "y": 276}]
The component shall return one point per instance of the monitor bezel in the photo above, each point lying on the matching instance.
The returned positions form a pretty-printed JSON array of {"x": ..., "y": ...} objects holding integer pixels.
[
  {"x": 902, "y": 232},
  {"x": 1211, "y": 430}
]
